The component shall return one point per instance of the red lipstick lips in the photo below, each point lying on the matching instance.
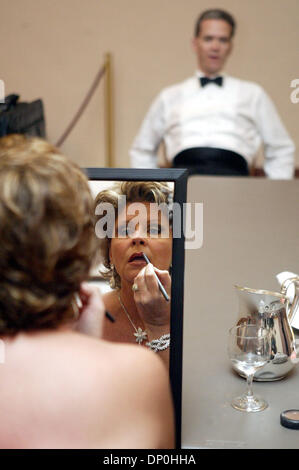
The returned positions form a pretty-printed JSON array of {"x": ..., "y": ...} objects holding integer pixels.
[{"x": 136, "y": 257}]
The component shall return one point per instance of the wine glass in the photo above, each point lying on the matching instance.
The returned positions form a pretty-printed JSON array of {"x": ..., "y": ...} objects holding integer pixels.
[{"x": 249, "y": 349}]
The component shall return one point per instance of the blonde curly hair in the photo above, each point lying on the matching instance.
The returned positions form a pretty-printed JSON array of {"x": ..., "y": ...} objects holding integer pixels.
[
  {"x": 134, "y": 191},
  {"x": 47, "y": 239}
]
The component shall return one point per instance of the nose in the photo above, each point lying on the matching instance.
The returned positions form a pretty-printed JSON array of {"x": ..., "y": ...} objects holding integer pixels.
[
  {"x": 139, "y": 237},
  {"x": 138, "y": 241},
  {"x": 215, "y": 45}
]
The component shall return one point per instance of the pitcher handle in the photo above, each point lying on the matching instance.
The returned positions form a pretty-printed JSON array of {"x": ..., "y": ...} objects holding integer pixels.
[{"x": 284, "y": 288}]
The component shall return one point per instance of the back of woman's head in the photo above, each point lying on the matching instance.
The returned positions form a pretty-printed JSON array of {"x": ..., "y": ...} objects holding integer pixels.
[{"x": 47, "y": 239}]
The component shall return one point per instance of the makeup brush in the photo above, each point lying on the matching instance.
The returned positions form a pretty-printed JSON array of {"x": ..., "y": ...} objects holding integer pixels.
[
  {"x": 109, "y": 316},
  {"x": 165, "y": 295}
]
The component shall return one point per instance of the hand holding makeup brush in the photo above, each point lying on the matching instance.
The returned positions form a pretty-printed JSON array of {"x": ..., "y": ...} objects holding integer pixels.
[
  {"x": 90, "y": 311},
  {"x": 151, "y": 304}
]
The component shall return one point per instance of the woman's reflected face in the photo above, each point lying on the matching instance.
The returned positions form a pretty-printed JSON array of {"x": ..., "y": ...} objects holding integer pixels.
[{"x": 145, "y": 229}]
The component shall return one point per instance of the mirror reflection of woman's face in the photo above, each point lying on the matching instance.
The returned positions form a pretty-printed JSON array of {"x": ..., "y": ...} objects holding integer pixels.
[{"x": 148, "y": 231}]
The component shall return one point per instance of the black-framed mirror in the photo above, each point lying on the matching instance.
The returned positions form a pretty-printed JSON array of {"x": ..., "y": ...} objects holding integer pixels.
[{"x": 177, "y": 180}]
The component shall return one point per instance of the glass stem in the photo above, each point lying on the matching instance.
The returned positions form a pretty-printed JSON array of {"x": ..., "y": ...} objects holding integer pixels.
[{"x": 249, "y": 392}]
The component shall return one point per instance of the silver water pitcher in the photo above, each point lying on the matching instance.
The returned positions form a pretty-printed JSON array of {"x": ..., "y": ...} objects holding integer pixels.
[
  {"x": 270, "y": 310},
  {"x": 293, "y": 299}
]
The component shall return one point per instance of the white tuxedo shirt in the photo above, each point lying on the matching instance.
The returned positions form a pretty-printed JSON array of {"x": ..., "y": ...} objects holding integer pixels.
[{"x": 238, "y": 116}]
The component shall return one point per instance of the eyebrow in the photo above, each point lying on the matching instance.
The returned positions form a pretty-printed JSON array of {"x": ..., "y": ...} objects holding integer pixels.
[{"x": 211, "y": 36}]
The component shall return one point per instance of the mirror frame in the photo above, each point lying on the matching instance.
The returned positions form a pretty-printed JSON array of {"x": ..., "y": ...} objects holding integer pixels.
[{"x": 179, "y": 178}]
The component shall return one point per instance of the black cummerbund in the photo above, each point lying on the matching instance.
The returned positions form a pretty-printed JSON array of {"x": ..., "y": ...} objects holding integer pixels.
[{"x": 211, "y": 161}]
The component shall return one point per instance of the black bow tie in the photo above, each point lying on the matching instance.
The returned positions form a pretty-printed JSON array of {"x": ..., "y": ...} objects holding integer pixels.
[{"x": 205, "y": 80}]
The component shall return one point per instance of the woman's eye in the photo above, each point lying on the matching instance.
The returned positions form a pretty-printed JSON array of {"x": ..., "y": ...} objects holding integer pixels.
[
  {"x": 126, "y": 230},
  {"x": 122, "y": 231},
  {"x": 130, "y": 230},
  {"x": 154, "y": 229}
]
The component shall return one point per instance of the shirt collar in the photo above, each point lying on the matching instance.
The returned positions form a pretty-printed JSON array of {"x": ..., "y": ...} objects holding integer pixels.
[{"x": 199, "y": 74}]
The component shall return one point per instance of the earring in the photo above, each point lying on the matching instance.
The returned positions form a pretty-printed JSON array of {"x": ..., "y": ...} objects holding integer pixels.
[
  {"x": 112, "y": 280},
  {"x": 75, "y": 306}
]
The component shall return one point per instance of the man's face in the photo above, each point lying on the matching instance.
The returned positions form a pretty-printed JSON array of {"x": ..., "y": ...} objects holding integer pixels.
[{"x": 212, "y": 46}]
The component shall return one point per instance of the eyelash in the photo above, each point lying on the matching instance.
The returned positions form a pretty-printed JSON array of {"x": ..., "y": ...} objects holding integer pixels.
[
  {"x": 152, "y": 230},
  {"x": 224, "y": 41},
  {"x": 156, "y": 229}
]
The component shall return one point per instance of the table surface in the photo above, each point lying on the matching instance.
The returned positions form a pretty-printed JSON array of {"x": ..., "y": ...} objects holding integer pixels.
[{"x": 250, "y": 234}]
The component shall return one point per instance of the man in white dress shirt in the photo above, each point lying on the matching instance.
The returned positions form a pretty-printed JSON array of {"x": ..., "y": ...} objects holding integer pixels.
[{"x": 211, "y": 123}]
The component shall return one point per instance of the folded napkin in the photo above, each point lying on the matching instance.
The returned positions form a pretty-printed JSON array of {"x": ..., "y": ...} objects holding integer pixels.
[
  {"x": 290, "y": 294},
  {"x": 283, "y": 276}
]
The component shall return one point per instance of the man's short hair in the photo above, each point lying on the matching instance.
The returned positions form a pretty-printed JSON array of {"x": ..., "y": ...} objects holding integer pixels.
[{"x": 215, "y": 14}]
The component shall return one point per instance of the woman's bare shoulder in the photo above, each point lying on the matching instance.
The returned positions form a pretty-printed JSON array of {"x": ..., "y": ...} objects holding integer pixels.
[
  {"x": 139, "y": 383},
  {"x": 116, "y": 394},
  {"x": 102, "y": 359},
  {"x": 128, "y": 387}
]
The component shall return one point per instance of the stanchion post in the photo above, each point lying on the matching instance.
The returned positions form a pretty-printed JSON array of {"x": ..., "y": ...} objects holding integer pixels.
[{"x": 109, "y": 118}]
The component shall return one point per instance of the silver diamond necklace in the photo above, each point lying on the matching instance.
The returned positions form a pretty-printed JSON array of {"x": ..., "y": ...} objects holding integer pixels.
[{"x": 139, "y": 333}]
